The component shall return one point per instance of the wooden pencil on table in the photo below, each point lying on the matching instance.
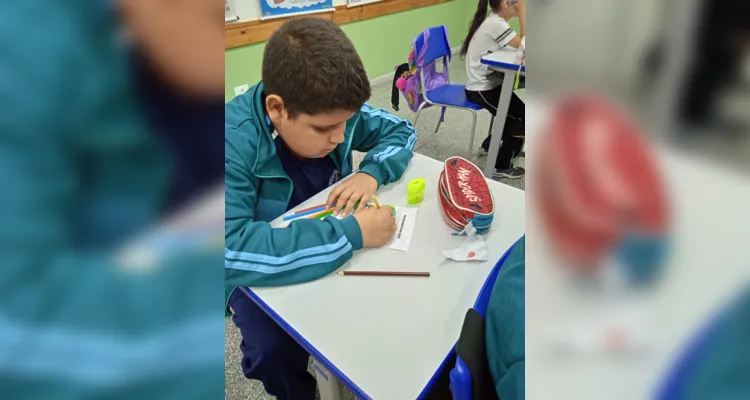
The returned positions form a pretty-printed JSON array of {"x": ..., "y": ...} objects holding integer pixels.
[{"x": 384, "y": 273}]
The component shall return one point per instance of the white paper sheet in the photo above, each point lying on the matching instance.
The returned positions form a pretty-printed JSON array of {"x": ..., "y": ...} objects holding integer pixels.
[{"x": 406, "y": 220}]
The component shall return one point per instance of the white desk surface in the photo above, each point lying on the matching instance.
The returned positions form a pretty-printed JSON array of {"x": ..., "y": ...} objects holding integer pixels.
[
  {"x": 389, "y": 335},
  {"x": 505, "y": 55},
  {"x": 709, "y": 263}
]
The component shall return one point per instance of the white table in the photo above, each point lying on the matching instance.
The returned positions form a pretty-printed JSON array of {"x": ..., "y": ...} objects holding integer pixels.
[
  {"x": 385, "y": 337},
  {"x": 709, "y": 262},
  {"x": 501, "y": 61}
]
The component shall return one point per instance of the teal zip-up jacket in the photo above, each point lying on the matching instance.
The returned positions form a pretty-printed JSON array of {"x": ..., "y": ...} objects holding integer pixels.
[
  {"x": 505, "y": 326},
  {"x": 258, "y": 191},
  {"x": 79, "y": 170},
  {"x": 720, "y": 367}
]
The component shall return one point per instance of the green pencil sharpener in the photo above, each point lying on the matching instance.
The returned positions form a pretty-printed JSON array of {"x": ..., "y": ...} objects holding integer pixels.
[{"x": 415, "y": 191}]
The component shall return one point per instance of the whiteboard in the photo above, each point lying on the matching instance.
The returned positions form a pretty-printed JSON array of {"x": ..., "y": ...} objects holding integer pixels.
[
  {"x": 249, "y": 10},
  {"x": 229, "y": 14}
]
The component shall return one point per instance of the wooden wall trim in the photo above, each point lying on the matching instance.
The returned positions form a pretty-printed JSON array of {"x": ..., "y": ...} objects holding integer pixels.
[{"x": 244, "y": 33}]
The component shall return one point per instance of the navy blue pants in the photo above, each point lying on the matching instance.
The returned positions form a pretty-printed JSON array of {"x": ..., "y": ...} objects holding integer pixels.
[{"x": 269, "y": 354}]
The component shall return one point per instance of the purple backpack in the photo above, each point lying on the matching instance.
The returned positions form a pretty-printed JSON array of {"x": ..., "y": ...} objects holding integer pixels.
[{"x": 413, "y": 88}]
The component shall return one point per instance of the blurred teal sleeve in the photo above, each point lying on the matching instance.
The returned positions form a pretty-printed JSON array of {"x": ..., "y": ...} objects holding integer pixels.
[
  {"x": 722, "y": 371},
  {"x": 258, "y": 255},
  {"x": 74, "y": 322},
  {"x": 388, "y": 141},
  {"x": 78, "y": 316},
  {"x": 505, "y": 326}
]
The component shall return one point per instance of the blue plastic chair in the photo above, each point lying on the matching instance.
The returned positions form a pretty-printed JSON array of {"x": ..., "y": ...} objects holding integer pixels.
[
  {"x": 447, "y": 95},
  {"x": 460, "y": 376}
]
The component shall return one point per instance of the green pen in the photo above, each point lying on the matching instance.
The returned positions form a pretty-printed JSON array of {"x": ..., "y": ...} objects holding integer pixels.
[{"x": 325, "y": 214}]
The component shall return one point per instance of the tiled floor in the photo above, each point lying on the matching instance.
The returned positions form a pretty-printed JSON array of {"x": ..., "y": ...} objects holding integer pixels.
[{"x": 452, "y": 139}]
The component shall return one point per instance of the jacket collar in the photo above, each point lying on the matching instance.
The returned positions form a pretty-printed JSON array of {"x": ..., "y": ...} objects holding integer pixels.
[
  {"x": 266, "y": 158},
  {"x": 266, "y": 151}
]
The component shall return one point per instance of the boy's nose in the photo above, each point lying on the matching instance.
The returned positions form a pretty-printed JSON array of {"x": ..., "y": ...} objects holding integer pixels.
[{"x": 338, "y": 136}]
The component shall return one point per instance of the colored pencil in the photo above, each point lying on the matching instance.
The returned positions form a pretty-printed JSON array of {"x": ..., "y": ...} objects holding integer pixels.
[
  {"x": 319, "y": 207},
  {"x": 321, "y": 213},
  {"x": 375, "y": 200},
  {"x": 325, "y": 214},
  {"x": 302, "y": 214},
  {"x": 384, "y": 273}
]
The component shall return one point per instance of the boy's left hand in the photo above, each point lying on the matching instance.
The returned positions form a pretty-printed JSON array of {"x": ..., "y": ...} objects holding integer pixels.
[{"x": 359, "y": 188}]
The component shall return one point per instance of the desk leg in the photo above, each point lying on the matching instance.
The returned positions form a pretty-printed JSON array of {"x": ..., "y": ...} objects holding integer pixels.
[
  {"x": 329, "y": 387},
  {"x": 497, "y": 127}
]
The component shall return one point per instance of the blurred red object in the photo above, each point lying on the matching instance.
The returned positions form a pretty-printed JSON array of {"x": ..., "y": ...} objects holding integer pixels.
[{"x": 597, "y": 180}]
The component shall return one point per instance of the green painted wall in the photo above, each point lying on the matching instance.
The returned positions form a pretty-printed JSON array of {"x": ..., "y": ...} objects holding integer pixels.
[
  {"x": 242, "y": 66},
  {"x": 381, "y": 42}
]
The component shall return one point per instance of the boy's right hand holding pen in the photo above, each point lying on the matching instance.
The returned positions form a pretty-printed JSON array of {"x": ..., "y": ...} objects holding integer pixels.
[{"x": 377, "y": 225}]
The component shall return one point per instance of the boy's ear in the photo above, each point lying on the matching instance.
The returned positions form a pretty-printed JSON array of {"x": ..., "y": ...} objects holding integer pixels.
[{"x": 275, "y": 107}]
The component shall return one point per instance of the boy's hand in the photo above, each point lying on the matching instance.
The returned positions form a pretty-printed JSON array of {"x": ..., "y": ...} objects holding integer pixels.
[
  {"x": 359, "y": 187},
  {"x": 377, "y": 225}
]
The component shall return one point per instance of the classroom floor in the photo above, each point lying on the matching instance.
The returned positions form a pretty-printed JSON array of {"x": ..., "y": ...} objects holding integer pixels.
[{"x": 452, "y": 139}]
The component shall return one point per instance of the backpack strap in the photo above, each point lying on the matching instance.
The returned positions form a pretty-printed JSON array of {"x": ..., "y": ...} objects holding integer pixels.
[{"x": 419, "y": 58}]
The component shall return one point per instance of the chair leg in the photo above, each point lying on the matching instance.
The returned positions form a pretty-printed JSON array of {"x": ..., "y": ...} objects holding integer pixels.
[
  {"x": 492, "y": 121},
  {"x": 438, "y": 124},
  {"x": 419, "y": 110},
  {"x": 473, "y": 128}
]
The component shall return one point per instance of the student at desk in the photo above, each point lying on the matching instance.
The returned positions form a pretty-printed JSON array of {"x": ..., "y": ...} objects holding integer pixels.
[
  {"x": 313, "y": 97},
  {"x": 488, "y": 34}
]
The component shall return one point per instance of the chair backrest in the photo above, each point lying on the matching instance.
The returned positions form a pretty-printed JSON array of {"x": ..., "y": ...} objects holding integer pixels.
[
  {"x": 437, "y": 44},
  {"x": 430, "y": 47}
]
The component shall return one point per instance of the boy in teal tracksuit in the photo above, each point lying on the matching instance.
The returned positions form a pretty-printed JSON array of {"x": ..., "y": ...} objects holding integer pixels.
[{"x": 312, "y": 96}]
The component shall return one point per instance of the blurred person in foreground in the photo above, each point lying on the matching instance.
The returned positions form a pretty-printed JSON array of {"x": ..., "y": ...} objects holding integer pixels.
[
  {"x": 493, "y": 348},
  {"x": 717, "y": 365},
  {"x": 101, "y": 112},
  {"x": 505, "y": 332}
]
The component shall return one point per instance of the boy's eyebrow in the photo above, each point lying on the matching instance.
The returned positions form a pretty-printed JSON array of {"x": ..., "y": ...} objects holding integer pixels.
[{"x": 326, "y": 126}]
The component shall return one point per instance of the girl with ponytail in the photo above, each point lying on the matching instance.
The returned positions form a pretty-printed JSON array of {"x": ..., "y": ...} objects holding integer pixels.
[{"x": 489, "y": 33}]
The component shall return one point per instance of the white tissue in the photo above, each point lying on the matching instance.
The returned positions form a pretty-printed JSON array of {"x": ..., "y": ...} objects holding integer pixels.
[{"x": 473, "y": 248}]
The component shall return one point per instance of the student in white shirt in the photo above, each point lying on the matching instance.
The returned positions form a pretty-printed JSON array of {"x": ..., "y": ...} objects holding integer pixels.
[{"x": 488, "y": 34}]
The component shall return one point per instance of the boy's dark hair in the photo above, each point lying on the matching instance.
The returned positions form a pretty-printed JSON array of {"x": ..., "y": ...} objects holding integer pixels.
[{"x": 312, "y": 65}]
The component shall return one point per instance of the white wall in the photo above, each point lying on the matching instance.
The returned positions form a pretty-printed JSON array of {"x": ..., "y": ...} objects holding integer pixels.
[{"x": 590, "y": 39}]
